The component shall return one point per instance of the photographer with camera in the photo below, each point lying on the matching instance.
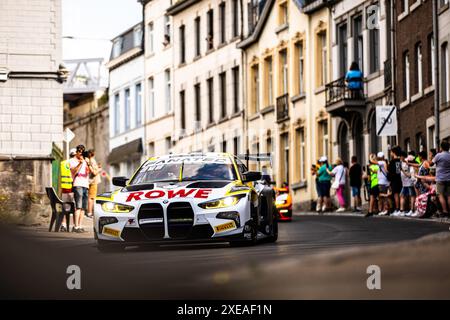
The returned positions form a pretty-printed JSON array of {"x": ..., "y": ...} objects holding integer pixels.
[{"x": 80, "y": 175}]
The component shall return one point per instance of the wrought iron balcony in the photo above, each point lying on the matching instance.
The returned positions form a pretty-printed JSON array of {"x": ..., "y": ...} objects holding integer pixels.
[
  {"x": 283, "y": 107},
  {"x": 339, "y": 97}
]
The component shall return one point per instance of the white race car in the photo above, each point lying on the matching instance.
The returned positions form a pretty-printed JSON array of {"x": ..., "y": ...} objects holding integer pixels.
[{"x": 186, "y": 197}]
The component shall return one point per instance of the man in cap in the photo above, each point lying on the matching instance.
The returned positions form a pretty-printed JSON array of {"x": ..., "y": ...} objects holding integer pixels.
[{"x": 324, "y": 184}]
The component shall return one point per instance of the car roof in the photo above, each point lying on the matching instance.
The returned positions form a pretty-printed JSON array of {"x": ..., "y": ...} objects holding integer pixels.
[{"x": 216, "y": 155}]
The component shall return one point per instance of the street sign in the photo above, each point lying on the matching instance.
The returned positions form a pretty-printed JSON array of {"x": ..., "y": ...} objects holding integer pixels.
[
  {"x": 386, "y": 120},
  {"x": 68, "y": 135}
]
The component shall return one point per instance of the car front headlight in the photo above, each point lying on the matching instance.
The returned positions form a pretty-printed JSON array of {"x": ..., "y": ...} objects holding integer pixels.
[
  {"x": 116, "y": 207},
  {"x": 221, "y": 203}
]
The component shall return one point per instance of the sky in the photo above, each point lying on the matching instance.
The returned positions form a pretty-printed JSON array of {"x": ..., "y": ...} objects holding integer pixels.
[{"x": 93, "y": 23}]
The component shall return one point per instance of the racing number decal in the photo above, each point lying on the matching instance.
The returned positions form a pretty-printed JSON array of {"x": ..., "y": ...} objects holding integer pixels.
[{"x": 182, "y": 193}]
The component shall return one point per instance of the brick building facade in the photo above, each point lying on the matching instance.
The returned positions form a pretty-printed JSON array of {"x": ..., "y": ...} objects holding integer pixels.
[
  {"x": 31, "y": 104},
  {"x": 414, "y": 77}
]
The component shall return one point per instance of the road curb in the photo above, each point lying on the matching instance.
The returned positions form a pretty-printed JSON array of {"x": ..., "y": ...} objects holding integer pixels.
[{"x": 350, "y": 214}]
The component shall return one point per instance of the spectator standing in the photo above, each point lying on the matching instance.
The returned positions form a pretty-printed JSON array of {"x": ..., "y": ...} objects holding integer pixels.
[
  {"x": 314, "y": 169},
  {"x": 66, "y": 186},
  {"x": 408, "y": 191},
  {"x": 383, "y": 185},
  {"x": 422, "y": 186},
  {"x": 354, "y": 79},
  {"x": 442, "y": 162},
  {"x": 339, "y": 173},
  {"x": 373, "y": 169},
  {"x": 94, "y": 180},
  {"x": 355, "y": 175},
  {"x": 395, "y": 179},
  {"x": 324, "y": 184},
  {"x": 80, "y": 176}
]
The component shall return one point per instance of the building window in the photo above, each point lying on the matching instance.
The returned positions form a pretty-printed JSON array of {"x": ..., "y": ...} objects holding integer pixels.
[
  {"x": 342, "y": 45},
  {"x": 127, "y": 110},
  {"x": 151, "y": 149},
  {"x": 445, "y": 85},
  {"x": 117, "y": 47},
  {"x": 406, "y": 88},
  {"x": 182, "y": 110},
  {"x": 431, "y": 61},
  {"x": 166, "y": 30},
  {"x": 408, "y": 145},
  {"x": 269, "y": 145},
  {"x": 236, "y": 145},
  {"x": 284, "y": 72},
  {"x": 197, "y": 103},
  {"x": 284, "y": 157},
  {"x": 168, "y": 91},
  {"x": 210, "y": 84},
  {"x": 235, "y": 17},
  {"x": 223, "y": 94},
  {"x": 151, "y": 47},
  {"x": 197, "y": 37},
  {"x": 137, "y": 36},
  {"x": 151, "y": 97},
  {"x": 431, "y": 137},
  {"x": 299, "y": 52},
  {"x": 235, "y": 72},
  {"x": 138, "y": 103},
  {"x": 419, "y": 77},
  {"x": 116, "y": 113},
  {"x": 358, "y": 42},
  {"x": 168, "y": 142},
  {"x": 374, "y": 44},
  {"x": 322, "y": 57},
  {"x": 182, "y": 44},
  {"x": 283, "y": 13},
  {"x": 324, "y": 140},
  {"x": 405, "y": 6},
  {"x": 268, "y": 82},
  {"x": 224, "y": 144},
  {"x": 210, "y": 29},
  {"x": 254, "y": 89},
  {"x": 300, "y": 148},
  {"x": 443, "y": 3},
  {"x": 222, "y": 20}
]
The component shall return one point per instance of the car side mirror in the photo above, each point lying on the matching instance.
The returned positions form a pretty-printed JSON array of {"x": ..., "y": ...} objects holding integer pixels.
[
  {"x": 120, "y": 181},
  {"x": 250, "y": 176}
]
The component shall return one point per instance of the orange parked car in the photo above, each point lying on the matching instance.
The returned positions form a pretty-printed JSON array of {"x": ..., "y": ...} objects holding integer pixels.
[{"x": 283, "y": 203}]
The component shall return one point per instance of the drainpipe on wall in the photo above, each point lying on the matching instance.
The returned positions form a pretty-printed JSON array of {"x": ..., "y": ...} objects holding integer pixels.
[
  {"x": 144, "y": 84},
  {"x": 244, "y": 83},
  {"x": 436, "y": 73}
]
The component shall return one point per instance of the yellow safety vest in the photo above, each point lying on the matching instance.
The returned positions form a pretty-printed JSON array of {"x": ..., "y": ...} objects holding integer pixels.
[{"x": 66, "y": 175}]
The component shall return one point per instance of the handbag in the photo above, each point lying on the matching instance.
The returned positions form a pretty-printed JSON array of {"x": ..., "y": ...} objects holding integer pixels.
[{"x": 336, "y": 182}]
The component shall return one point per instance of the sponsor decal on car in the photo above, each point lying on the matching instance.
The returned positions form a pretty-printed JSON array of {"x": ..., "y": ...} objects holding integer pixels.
[
  {"x": 111, "y": 232},
  {"x": 225, "y": 227},
  {"x": 157, "y": 194}
]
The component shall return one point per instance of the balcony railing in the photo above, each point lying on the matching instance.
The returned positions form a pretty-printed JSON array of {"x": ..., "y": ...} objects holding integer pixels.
[
  {"x": 283, "y": 107},
  {"x": 337, "y": 91},
  {"x": 388, "y": 73}
]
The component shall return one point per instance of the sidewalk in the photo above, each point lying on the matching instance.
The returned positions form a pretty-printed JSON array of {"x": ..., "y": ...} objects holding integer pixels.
[{"x": 355, "y": 214}]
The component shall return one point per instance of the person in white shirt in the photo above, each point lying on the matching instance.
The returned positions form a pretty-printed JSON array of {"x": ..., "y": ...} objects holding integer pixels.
[
  {"x": 407, "y": 175},
  {"x": 383, "y": 185},
  {"x": 339, "y": 173},
  {"x": 80, "y": 176}
]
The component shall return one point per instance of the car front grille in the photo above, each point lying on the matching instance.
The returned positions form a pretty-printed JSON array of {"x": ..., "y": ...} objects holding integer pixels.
[
  {"x": 151, "y": 220},
  {"x": 180, "y": 218}
]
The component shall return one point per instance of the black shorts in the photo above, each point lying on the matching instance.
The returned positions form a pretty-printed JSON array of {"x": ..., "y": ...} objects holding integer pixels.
[
  {"x": 396, "y": 187},
  {"x": 375, "y": 191}
]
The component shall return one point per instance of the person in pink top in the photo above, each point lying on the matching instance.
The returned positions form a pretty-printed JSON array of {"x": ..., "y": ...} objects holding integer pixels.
[{"x": 80, "y": 176}]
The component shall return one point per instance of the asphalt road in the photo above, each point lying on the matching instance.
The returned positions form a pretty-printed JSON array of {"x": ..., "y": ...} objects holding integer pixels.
[{"x": 35, "y": 264}]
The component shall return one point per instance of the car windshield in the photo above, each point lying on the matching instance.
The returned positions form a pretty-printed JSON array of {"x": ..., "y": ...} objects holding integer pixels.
[{"x": 191, "y": 171}]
